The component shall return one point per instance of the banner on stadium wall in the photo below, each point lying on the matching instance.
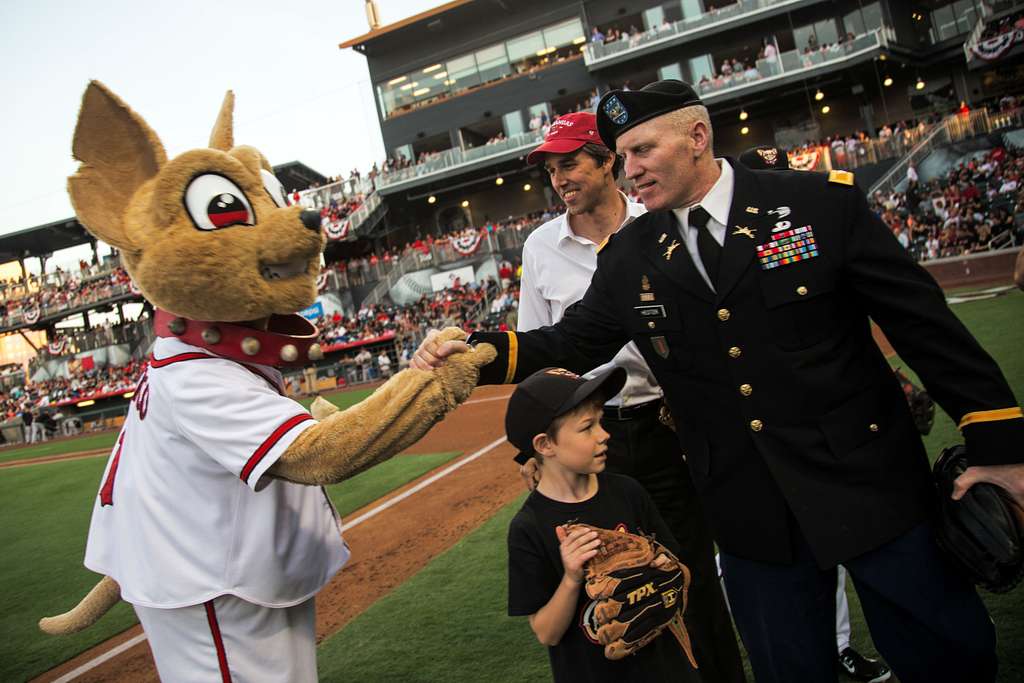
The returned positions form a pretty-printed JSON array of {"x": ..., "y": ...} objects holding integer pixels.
[
  {"x": 321, "y": 281},
  {"x": 466, "y": 245},
  {"x": 995, "y": 47},
  {"x": 804, "y": 162},
  {"x": 336, "y": 230},
  {"x": 58, "y": 346},
  {"x": 313, "y": 312},
  {"x": 32, "y": 315},
  {"x": 442, "y": 281}
]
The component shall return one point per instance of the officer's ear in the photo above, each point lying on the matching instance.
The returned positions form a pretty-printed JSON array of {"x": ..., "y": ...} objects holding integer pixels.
[{"x": 700, "y": 136}]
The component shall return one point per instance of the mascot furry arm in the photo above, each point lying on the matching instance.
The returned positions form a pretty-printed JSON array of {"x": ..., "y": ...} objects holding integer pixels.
[{"x": 128, "y": 194}]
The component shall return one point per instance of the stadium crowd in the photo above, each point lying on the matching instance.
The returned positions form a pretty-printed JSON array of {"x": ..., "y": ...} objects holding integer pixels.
[
  {"x": 962, "y": 212},
  {"x": 60, "y": 289}
]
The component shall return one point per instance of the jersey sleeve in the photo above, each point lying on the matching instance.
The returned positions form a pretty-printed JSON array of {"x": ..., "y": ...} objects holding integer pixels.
[
  {"x": 244, "y": 429},
  {"x": 531, "y": 578}
]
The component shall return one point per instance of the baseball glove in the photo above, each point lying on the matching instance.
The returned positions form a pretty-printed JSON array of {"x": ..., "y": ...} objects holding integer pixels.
[
  {"x": 983, "y": 532},
  {"x": 922, "y": 407},
  {"x": 639, "y": 588}
]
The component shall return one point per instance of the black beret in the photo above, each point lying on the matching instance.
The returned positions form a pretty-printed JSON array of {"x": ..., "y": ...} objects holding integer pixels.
[
  {"x": 620, "y": 110},
  {"x": 765, "y": 159}
]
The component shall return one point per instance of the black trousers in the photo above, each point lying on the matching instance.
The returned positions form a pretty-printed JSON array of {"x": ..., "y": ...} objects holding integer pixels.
[
  {"x": 926, "y": 620},
  {"x": 646, "y": 450}
]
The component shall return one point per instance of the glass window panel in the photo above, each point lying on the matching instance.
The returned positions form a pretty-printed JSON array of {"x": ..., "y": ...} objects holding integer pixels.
[
  {"x": 827, "y": 32},
  {"x": 670, "y": 71},
  {"x": 462, "y": 73},
  {"x": 563, "y": 34},
  {"x": 966, "y": 14},
  {"x": 653, "y": 18},
  {"x": 943, "y": 22},
  {"x": 802, "y": 36},
  {"x": 525, "y": 47},
  {"x": 701, "y": 67},
  {"x": 691, "y": 9},
  {"x": 513, "y": 123},
  {"x": 872, "y": 16},
  {"x": 854, "y": 23},
  {"x": 540, "y": 109},
  {"x": 492, "y": 63},
  {"x": 405, "y": 151}
]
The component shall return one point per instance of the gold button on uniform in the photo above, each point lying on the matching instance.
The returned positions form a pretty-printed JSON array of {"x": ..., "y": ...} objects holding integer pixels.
[
  {"x": 756, "y": 425},
  {"x": 723, "y": 314},
  {"x": 746, "y": 389},
  {"x": 873, "y": 427},
  {"x": 650, "y": 324},
  {"x": 801, "y": 290},
  {"x": 734, "y": 352}
]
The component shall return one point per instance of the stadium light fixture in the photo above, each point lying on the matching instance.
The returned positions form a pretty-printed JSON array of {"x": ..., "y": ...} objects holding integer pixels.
[
  {"x": 421, "y": 91},
  {"x": 499, "y": 181},
  {"x": 743, "y": 114},
  {"x": 826, "y": 109},
  {"x": 920, "y": 84},
  {"x": 431, "y": 199},
  {"x": 128, "y": 394},
  {"x": 744, "y": 130},
  {"x": 527, "y": 187},
  {"x": 819, "y": 96},
  {"x": 465, "y": 203},
  {"x": 85, "y": 404},
  {"x": 439, "y": 76},
  {"x": 432, "y": 67},
  {"x": 396, "y": 81},
  {"x": 888, "y": 81},
  {"x": 579, "y": 40}
]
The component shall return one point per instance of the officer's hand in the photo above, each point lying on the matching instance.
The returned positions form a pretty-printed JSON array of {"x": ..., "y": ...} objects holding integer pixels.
[
  {"x": 1008, "y": 477},
  {"x": 432, "y": 352},
  {"x": 530, "y": 472}
]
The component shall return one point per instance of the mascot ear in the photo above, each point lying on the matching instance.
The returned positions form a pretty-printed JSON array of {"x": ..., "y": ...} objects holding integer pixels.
[
  {"x": 223, "y": 135},
  {"x": 119, "y": 152}
]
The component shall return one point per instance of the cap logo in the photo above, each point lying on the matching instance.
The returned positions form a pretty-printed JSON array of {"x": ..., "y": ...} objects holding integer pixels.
[
  {"x": 615, "y": 110},
  {"x": 562, "y": 372},
  {"x": 770, "y": 155}
]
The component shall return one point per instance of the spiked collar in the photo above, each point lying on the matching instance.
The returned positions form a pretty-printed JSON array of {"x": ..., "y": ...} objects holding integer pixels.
[{"x": 289, "y": 340}]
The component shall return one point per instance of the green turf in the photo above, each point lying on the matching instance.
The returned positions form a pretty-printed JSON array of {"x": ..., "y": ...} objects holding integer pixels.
[
  {"x": 106, "y": 439},
  {"x": 350, "y": 495},
  {"x": 45, "y": 523},
  {"x": 450, "y": 618}
]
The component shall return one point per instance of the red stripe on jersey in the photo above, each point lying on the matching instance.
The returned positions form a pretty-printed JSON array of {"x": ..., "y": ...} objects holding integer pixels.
[
  {"x": 180, "y": 357},
  {"x": 107, "y": 491},
  {"x": 276, "y": 387},
  {"x": 218, "y": 642},
  {"x": 265, "y": 447}
]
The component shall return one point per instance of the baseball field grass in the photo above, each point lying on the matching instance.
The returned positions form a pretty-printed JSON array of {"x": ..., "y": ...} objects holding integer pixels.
[
  {"x": 46, "y": 520},
  {"x": 452, "y": 614}
]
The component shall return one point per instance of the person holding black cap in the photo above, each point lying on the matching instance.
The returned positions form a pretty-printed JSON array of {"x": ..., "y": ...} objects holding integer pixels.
[
  {"x": 750, "y": 296},
  {"x": 559, "y": 260},
  {"x": 554, "y": 417}
]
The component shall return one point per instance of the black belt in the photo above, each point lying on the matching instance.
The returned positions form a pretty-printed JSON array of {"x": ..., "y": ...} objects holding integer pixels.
[{"x": 632, "y": 412}]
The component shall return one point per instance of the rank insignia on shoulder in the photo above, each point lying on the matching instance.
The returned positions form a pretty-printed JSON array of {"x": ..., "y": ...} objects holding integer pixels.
[
  {"x": 645, "y": 283},
  {"x": 790, "y": 246},
  {"x": 647, "y": 296},
  {"x": 663, "y": 237},
  {"x": 753, "y": 209},
  {"x": 841, "y": 177}
]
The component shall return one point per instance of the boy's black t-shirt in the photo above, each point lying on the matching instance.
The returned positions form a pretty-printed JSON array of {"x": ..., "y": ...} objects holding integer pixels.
[{"x": 535, "y": 570}]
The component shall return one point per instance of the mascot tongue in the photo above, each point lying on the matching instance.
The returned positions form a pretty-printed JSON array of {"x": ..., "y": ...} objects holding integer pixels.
[{"x": 289, "y": 340}]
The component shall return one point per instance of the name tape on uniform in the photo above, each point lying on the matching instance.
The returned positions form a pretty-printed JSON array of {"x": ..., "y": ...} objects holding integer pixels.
[{"x": 788, "y": 247}]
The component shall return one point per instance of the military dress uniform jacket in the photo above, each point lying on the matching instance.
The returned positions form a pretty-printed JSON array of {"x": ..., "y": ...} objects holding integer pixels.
[{"x": 786, "y": 409}]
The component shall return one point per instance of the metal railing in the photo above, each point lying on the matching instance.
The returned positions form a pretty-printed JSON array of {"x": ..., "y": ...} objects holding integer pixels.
[
  {"x": 453, "y": 158},
  {"x": 669, "y": 32},
  {"x": 21, "y": 316}
]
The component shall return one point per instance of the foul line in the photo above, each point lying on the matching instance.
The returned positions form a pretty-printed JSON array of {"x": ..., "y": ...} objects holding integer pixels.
[
  {"x": 373, "y": 512},
  {"x": 109, "y": 654},
  {"x": 485, "y": 400},
  {"x": 423, "y": 484}
]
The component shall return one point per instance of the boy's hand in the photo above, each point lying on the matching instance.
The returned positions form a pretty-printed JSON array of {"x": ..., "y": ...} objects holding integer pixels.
[{"x": 576, "y": 546}]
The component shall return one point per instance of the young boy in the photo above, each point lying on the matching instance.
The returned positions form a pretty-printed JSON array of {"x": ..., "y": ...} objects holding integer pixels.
[{"x": 554, "y": 416}]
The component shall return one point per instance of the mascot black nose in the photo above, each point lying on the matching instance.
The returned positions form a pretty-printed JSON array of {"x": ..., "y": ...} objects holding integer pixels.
[{"x": 311, "y": 219}]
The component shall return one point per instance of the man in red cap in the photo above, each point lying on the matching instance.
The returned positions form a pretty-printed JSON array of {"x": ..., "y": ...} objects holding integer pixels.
[{"x": 559, "y": 260}]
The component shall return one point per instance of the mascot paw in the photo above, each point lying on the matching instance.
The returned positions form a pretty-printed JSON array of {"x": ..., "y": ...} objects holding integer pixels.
[
  {"x": 321, "y": 408},
  {"x": 460, "y": 373}
]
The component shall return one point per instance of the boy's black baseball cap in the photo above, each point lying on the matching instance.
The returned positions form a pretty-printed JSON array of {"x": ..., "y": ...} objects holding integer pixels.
[{"x": 545, "y": 395}]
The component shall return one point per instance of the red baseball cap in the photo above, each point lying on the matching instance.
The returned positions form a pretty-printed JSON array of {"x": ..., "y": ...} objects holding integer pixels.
[{"x": 567, "y": 134}]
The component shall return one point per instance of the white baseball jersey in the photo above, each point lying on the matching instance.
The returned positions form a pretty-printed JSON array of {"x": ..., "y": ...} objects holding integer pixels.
[{"x": 183, "y": 515}]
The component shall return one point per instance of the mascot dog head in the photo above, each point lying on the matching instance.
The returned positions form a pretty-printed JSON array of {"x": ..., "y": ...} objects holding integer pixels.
[{"x": 207, "y": 235}]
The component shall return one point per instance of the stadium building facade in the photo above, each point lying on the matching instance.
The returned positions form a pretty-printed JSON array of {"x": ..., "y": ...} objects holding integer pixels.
[{"x": 458, "y": 87}]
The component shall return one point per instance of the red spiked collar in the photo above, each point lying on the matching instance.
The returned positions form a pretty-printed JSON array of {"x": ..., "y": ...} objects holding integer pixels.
[{"x": 289, "y": 341}]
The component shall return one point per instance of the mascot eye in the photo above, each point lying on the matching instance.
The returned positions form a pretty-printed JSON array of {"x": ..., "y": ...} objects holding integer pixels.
[
  {"x": 215, "y": 202},
  {"x": 274, "y": 187}
]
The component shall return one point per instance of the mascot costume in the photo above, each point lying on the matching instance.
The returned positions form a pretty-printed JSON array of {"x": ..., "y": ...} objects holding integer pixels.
[{"x": 210, "y": 519}]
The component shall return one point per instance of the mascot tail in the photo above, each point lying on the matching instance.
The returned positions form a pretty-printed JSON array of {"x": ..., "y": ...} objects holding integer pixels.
[{"x": 98, "y": 602}]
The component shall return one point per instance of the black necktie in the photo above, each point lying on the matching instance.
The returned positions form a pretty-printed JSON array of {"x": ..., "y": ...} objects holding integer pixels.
[{"x": 709, "y": 249}]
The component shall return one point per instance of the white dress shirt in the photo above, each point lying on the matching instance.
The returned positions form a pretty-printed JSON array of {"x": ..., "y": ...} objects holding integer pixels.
[
  {"x": 558, "y": 265},
  {"x": 717, "y": 202}
]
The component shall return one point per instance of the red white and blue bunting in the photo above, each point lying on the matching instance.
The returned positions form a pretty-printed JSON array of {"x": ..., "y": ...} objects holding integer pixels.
[
  {"x": 336, "y": 230},
  {"x": 995, "y": 47},
  {"x": 58, "y": 346},
  {"x": 804, "y": 162},
  {"x": 32, "y": 315},
  {"x": 466, "y": 245},
  {"x": 321, "y": 281}
]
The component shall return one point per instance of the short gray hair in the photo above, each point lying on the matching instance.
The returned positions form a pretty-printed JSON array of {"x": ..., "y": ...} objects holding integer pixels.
[{"x": 683, "y": 119}]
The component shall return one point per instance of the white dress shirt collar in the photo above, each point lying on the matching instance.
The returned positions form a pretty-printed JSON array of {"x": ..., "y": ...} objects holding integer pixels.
[
  {"x": 633, "y": 209},
  {"x": 718, "y": 201}
]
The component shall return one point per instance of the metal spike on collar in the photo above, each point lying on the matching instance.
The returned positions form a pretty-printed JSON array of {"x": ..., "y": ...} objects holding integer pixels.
[
  {"x": 315, "y": 352},
  {"x": 250, "y": 346},
  {"x": 177, "y": 326},
  {"x": 289, "y": 354},
  {"x": 211, "y": 335}
]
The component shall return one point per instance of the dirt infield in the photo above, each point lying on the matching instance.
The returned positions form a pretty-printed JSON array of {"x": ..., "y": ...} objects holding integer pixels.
[{"x": 404, "y": 538}]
